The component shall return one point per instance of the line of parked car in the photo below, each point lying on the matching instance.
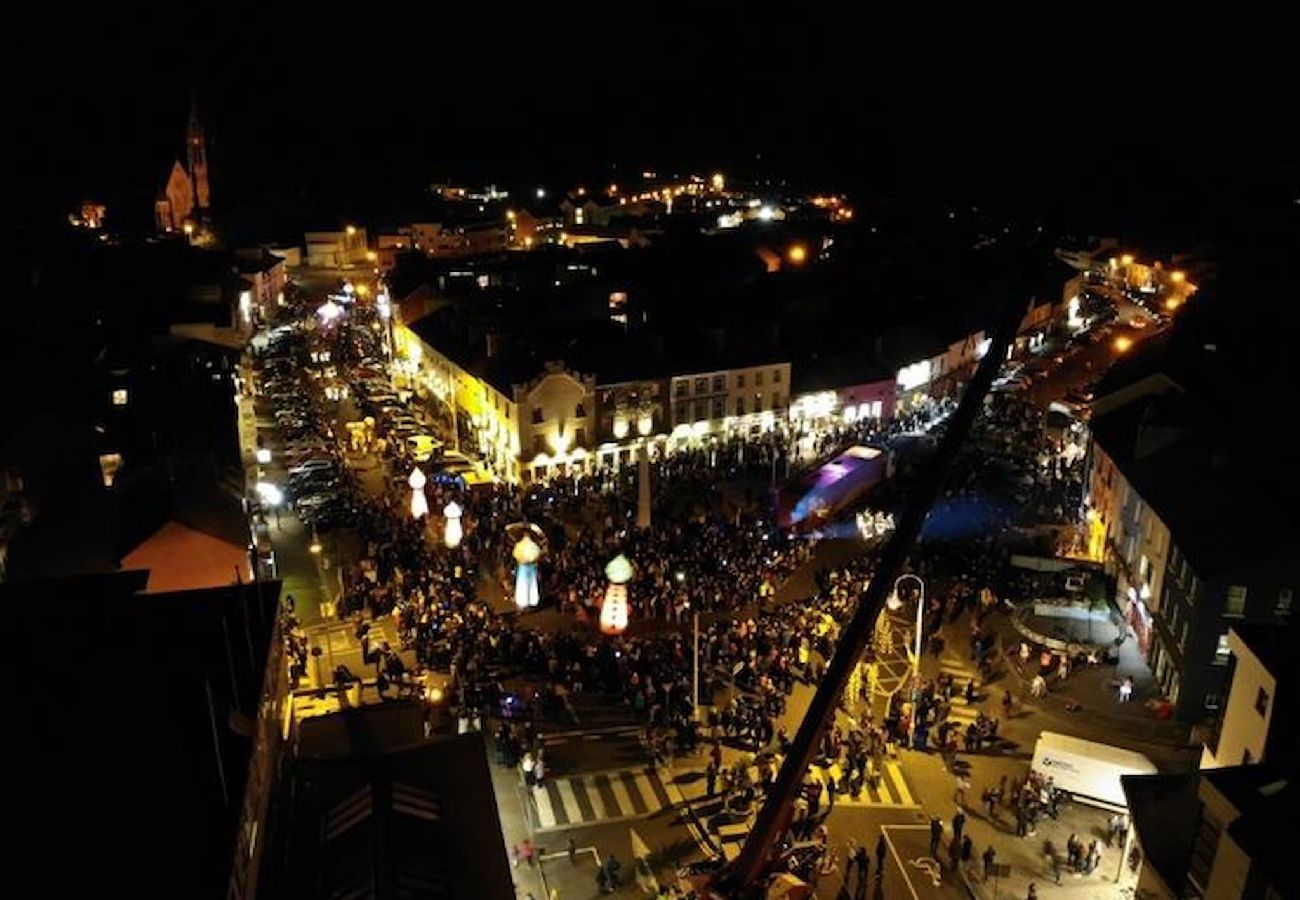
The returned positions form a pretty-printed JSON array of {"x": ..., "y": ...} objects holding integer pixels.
[{"x": 314, "y": 485}]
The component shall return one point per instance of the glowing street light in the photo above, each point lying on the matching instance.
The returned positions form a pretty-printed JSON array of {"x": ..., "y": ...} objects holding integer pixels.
[
  {"x": 526, "y": 554},
  {"x": 1177, "y": 277},
  {"x": 269, "y": 494},
  {"x": 329, "y": 311},
  {"x": 1126, "y": 259},
  {"x": 1122, "y": 344},
  {"x": 263, "y": 455},
  {"x": 419, "y": 504},
  {"x": 797, "y": 254},
  {"x": 613, "y": 612},
  {"x": 452, "y": 533},
  {"x": 894, "y": 602}
]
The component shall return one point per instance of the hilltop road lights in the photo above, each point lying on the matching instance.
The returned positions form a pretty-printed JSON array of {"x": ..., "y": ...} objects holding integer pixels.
[
  {"x": 894, "y": 602},
  {"x": 419, "y": 503}
]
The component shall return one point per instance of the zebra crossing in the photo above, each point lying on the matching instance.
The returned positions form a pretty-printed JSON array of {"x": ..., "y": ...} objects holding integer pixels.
[
  {"x": 960, "y": 713},
  {"x": 890, "y": 789},
  {"x": 601, "y": 797},
  {"x": 729, "y": 830}
]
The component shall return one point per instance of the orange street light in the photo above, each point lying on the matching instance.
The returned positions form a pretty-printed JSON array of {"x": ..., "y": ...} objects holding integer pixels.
[
  {"x": 797, "y": 254},
  {"x": 1126, "y": 259},
  {"x": 1123, "y": 343},
  {"x": 1172, "y": 304},
  {"x": 1177, "y": 277}
]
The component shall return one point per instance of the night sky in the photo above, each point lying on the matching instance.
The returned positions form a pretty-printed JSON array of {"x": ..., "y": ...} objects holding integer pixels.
[{"x": 314, "y": 118}]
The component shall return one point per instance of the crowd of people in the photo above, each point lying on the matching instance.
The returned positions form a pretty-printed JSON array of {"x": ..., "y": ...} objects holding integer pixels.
[{"x": 710, "y": 553}]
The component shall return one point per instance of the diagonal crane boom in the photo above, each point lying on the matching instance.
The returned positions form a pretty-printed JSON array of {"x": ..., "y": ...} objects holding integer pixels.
[{"x": 774, "y": 818}]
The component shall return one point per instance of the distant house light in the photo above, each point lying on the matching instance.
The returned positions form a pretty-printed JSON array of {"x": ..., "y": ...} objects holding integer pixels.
[{"x": 120, "y": 397}]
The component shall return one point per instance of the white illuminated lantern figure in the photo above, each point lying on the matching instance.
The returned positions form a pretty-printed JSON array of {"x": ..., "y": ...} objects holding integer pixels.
[
  {"x": 419, "y": 505},
  {"x": 526, "y": 554},
  {"x": 614, "y": 611},
  {"x": 453, "y": 532}
]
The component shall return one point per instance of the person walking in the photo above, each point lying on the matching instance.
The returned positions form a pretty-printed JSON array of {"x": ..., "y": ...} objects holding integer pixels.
[
  {"x": 963, "y": 785},
  {"x": 1032, "y": 893},
  {"x": 864, "y": 872},
  {"x": 958, "y": 825},
  {"x": 990, "y": 856},
  {"x": 936, "y": 835},
  {"x": 880, "y": 856}
]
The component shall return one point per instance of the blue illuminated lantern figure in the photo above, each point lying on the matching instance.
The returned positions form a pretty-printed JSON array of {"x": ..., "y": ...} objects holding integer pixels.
[{"x": 526, "y": 554}]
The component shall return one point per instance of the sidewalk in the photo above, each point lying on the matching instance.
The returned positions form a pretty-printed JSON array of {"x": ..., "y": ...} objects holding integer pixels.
[{"x": 516, "y": 828}]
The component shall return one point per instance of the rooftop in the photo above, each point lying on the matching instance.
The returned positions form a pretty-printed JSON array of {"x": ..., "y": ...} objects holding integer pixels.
[
  {"x": 1165, "y": 810},
  {"x": 379, "y": 811}
]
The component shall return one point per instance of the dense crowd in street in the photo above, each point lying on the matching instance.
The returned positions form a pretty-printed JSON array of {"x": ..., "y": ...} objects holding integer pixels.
[{"x": 713, "y": 551}]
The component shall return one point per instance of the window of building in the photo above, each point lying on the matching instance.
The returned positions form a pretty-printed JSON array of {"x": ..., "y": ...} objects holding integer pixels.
[
  {"x": 539, "y": 444},
  {"x": 701, "y": 385},
  {"x": 537, "y": 415},
  {"x": 580, "y": 436},
  {"x": 719, "y": 384},
  {"x": 776, "y": 376},
  {"x": 740, "y": 380},
  {"x": 1221, "y": 652},
  {"x": 1261, "y": 702},
  {"x": 681, "y": 412},
  {"x": 1212, "y": 700},
  {"x": 579, "y": 411},
  {"x": 1236, "y": 601},
  {"x": 119, "y": 397},
  {"x": 1283, "y": 607},
  {"x": 740, "y": 406},
  {"x": 719, "y": 407},
  {"x": 758, "y": 377},
  {"x": 683, "y": 388}
]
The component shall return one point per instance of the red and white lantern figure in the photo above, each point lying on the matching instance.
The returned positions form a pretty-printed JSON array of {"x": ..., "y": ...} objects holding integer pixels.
[
  {"x": 613, "y": 613},
  {"x": 453, "y": 532},
  {"x": 526, "y": 554},
  {"x": 419, "y": 505}
]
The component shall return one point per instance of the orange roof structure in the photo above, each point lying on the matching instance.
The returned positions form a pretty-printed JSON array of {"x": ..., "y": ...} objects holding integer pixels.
[{"x": 181, "y": 558}]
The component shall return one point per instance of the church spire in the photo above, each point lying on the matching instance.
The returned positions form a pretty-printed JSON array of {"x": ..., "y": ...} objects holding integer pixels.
[{"x": 197, "y": 153}]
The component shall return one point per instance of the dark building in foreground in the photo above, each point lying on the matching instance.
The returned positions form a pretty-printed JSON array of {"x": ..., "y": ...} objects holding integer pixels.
[
  {"x": 1222, "y": 834},
  {"x": 133, "y": 742},
  {"x": 374, "y": 809}
]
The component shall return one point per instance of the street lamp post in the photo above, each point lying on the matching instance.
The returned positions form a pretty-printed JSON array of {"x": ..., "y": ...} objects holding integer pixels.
[
  {"x": 895, "y": 603},
  {"x": 696, "y": 617}
]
